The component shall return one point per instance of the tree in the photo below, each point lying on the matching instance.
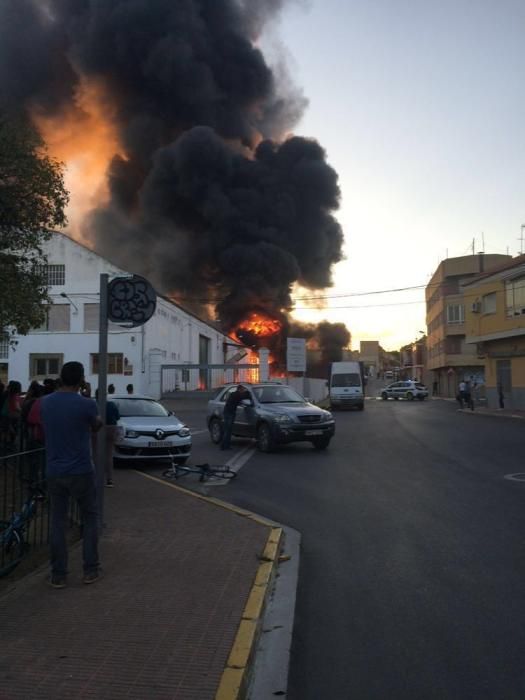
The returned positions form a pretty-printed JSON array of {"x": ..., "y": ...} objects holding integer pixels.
[{"x": 32, "y": 201}]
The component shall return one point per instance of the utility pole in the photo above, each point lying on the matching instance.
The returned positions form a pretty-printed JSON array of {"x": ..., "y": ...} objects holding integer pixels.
[{"x": 102, "y": 397}]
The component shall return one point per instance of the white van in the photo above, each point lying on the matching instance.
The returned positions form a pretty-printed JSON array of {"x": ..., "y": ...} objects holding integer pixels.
[{"x": 346, "y": 386}]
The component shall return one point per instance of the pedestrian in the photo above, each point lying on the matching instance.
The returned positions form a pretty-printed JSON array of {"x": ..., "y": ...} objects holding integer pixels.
[
  {"x": 230, "y": 407},
  {"x": 111, "y": 389},
  {"x": 68, "y": 421},
  {"x": 501, "y": 396},
  {"x": 129, "y": 388},
  {"x": 461, "y": 393},
  {"x": 11, "y": 410},
  {"x": 111, "y": 430}
]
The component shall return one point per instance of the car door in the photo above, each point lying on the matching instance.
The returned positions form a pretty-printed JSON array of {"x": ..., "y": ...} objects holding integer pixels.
[
  {"x": 244, "y": 423},
  {"x": 399, "y": 390}
]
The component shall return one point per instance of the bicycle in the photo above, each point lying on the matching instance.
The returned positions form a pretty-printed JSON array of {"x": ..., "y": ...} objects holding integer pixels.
[
  {"x": 204, "y": 471},
  {"x": 13, "y": 545}
]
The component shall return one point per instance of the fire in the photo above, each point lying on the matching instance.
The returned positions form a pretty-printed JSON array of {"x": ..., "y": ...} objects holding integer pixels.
[
  {"x": 260, "y": 325},
  {"x": 84, "y": 137}
]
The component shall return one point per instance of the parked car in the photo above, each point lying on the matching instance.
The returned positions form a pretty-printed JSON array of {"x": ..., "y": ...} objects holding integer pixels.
[
  {"x": 409, "y": 390},
  {"x": 275, "y": 414},
  {"x": 149, "y": 431}
]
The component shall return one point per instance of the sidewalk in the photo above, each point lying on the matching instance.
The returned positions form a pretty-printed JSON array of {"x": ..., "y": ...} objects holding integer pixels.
[
  {"x": 500, "y": 412},
  {"x": 161, "y": 623}
]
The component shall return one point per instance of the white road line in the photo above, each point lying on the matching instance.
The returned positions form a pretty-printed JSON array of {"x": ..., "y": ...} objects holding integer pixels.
[{"x": 239, "y": 460}]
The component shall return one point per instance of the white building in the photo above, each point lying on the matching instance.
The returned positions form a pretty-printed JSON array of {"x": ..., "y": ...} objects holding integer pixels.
[{"x": 172, "y": 336}]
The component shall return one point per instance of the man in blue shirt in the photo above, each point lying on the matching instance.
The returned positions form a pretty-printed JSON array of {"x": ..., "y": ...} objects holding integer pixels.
[{"x": 68, "y": 420}]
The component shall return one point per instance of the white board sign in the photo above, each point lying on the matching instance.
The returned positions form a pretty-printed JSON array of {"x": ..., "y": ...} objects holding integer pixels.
[{"x": 296, "y": 355}]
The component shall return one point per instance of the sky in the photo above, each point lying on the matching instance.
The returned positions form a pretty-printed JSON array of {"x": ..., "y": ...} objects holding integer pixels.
[{"x": 420, "y": 106}]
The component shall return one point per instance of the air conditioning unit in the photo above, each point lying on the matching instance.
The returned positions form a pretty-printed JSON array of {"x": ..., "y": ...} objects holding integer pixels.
[{"x": 476, "y": 307}]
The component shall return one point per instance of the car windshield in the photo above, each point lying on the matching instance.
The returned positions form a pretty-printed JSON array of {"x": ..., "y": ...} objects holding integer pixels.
[
  {"x": 345, "y": 380},
  {"x": 277, "y": 394},
  {"x": 139, "y": 407}
]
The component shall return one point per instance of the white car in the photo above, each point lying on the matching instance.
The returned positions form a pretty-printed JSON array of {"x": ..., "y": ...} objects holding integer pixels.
[
  {"x": 149, "y": 431},
  {"x": 409, "y": 390}
]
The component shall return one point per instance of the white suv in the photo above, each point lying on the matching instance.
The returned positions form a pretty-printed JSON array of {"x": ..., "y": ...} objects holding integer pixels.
[{"x": 409, "y": 390}]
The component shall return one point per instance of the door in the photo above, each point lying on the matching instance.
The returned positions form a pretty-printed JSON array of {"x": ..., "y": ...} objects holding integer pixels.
[
  {"x": 204, "y": 359},
  {"x": 504, "y": 381}
]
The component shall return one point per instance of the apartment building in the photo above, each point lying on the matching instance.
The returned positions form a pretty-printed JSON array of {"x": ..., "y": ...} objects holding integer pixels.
[
  {"x": 449, "y": 357},
  {"x": 495, "y": 328}
]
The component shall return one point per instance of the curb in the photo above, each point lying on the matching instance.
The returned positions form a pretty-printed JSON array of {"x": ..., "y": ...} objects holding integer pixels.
[
  {"x": 491, "y": 414},
  {"x": 236, "y": 675}
]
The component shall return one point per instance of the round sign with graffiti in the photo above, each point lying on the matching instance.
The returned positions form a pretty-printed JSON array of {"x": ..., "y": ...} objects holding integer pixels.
[{"x": 131, "y": 300}]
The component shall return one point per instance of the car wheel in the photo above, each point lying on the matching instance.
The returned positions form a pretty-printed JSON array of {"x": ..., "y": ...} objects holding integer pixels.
[
  {"x": 384, "y": 396},
  {"x": 216, "y": 431},
  {"x": 410, "y": 396},
  {"x": 321, "y": 443},
  {"x": 264, "y": 438}
]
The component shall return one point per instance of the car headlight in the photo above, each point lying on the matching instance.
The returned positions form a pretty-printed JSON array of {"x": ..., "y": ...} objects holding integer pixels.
[
  {"x": 282, "y": 418},
  {"x": 131, "y": 433},
  {"x": 184, "y": 432},
  {"x": 327, "y": 415}
]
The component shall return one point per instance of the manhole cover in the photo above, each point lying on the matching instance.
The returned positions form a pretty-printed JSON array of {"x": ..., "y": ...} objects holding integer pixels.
[{"x": 515, "y": 477}]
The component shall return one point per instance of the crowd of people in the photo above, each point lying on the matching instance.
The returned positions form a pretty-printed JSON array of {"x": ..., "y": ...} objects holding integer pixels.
[{"x": 17, "y": 423}]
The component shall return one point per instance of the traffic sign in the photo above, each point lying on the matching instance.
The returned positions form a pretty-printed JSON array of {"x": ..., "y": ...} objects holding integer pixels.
[{"x": 296, "y": 355}]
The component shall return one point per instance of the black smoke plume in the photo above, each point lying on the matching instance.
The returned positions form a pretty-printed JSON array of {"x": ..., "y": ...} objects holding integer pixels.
[{"x": 208, "y": 200}]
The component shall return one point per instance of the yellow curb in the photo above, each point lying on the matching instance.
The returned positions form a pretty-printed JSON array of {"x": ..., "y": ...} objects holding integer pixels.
[
  {"x": 234, "y": 679},
  {"x": 243, "y": 644}
]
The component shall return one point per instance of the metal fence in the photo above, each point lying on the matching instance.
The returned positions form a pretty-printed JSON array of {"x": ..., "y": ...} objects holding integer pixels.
[
  {"x": 204, "y": 378},
  {"x": 20, "y": 472}
]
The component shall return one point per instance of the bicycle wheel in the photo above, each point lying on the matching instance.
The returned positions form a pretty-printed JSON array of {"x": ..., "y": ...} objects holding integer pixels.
[
  {"x": 175, "y": 472},
  {"x": 12, "y": 548},
  {"x": 217, "y": 474}
]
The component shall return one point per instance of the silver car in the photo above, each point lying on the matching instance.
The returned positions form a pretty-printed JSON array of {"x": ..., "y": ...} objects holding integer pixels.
[
  {"x": 149, "y": 431},
  {"x": 275, "y": 414},
  {"x": 409, "y": 390}
]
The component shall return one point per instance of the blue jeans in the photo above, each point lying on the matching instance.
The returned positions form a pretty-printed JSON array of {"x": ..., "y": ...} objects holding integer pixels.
[
  {"x": 227, "y": 430},
  {"x": 82, "y": 488}
]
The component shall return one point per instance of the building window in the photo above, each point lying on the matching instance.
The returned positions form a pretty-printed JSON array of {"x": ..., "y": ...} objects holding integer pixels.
[
  {"x": 488, "y": 303},
  {"x": 515, "y": 296},
  {"x": 57, "y": 318},
  {"x": 455, "y": 313},
  {"x": 115, "y": 363},
  {"x": 55, "y": 274},
  {"x": 42, "y": 366},
  {"x": 91, "y": 319},
  {"x": 4, "y": 346}
]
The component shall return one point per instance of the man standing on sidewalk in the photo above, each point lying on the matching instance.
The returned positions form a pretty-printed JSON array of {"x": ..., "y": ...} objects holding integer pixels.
[{"x": 68, "y": 419}]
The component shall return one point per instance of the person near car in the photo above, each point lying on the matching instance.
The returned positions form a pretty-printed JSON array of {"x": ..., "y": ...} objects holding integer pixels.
[
  {"x": 129, "y": 389},
  {"x": 112, "y": 419},
  {"x": 68, "y": 420},
  {"x": 461, "y": 397},
  {"x": 230, "y": 407}
]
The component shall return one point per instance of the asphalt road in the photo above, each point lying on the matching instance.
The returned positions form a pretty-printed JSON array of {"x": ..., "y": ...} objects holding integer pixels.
[{"x": 412, "y": 570}]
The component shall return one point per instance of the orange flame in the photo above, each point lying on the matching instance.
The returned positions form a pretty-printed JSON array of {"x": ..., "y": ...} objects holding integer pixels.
[
  {"x": 260, "y": 325},
  {"x": 84, "y": 137}
]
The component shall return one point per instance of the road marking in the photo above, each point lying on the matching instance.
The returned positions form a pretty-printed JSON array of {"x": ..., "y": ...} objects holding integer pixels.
[
  {"x": 520, "y": 476},
  {"x": 240, "y": 458}
]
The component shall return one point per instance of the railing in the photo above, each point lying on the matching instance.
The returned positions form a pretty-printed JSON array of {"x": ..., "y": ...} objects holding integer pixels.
[{"x": 19, "y": 472}]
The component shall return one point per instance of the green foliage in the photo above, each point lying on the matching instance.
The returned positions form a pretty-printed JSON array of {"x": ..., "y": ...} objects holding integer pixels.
[{"x": 32, "y": 201}]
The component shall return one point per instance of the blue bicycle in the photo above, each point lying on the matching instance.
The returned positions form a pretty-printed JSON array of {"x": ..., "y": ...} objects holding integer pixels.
[{"x": 13, "y": 540}]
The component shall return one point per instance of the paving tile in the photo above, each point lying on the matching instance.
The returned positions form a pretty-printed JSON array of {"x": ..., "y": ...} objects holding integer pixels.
[{"x": 159, "y": 625}]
